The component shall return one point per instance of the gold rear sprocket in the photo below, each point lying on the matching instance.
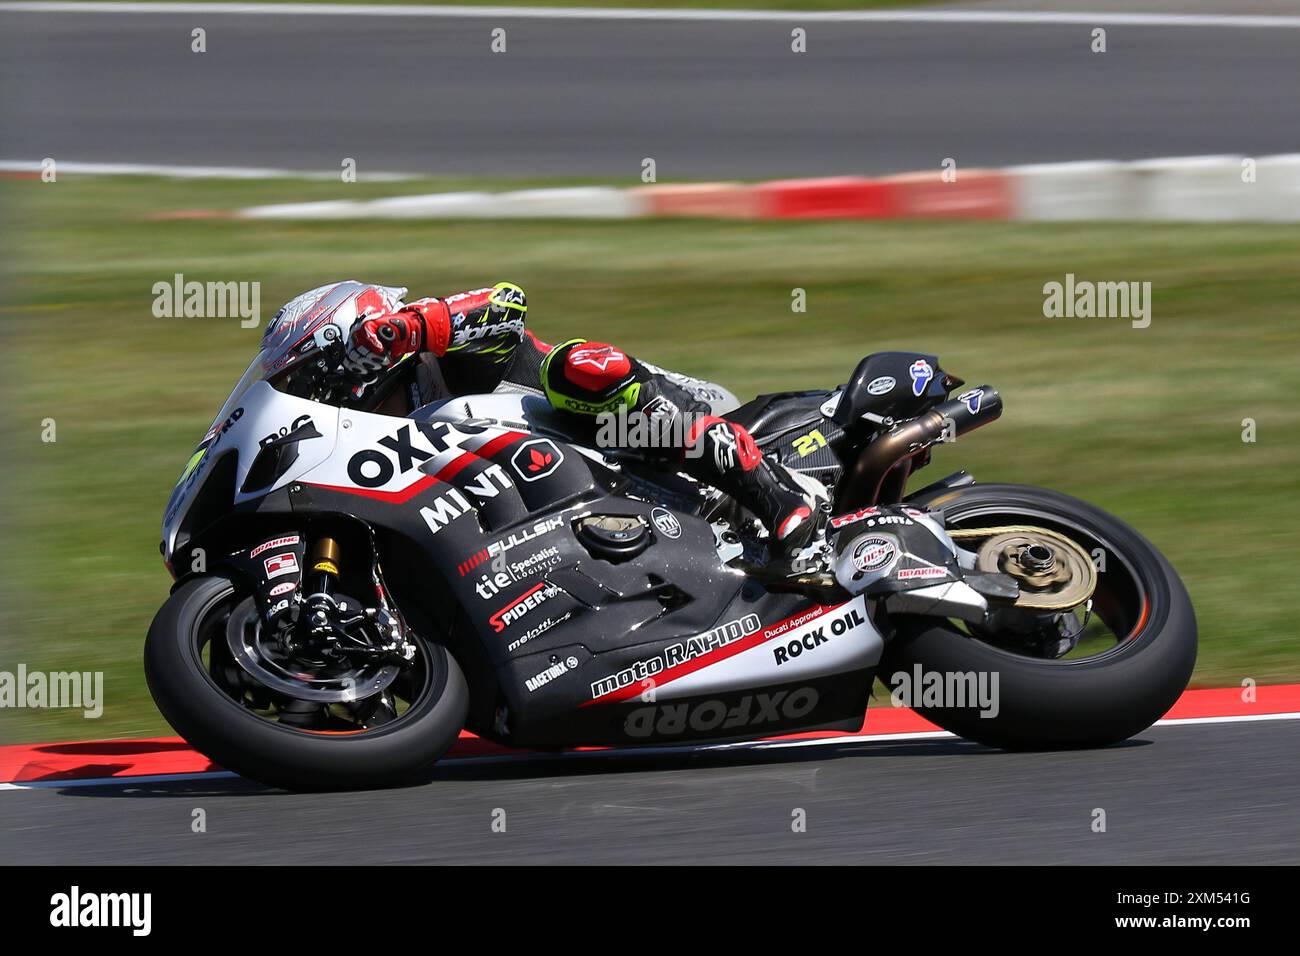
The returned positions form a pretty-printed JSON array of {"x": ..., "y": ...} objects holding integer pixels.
[{"x": 1054, "y": 573}]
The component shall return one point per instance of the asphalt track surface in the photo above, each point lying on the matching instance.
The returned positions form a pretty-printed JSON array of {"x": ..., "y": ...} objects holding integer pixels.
[
  {"x": 1177, "y": 794},
  {"x": 592, "y": 98}
]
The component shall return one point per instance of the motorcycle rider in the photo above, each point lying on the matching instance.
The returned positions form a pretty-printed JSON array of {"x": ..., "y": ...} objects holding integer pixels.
[{"x": 472, "y": 341}]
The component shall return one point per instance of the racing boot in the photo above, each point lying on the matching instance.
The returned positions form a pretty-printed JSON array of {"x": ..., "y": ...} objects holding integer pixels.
[{"x": 723, "y": 454}]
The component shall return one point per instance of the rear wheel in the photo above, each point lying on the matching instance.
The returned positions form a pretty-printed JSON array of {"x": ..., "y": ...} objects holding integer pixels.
[
  {"x": 1109, "y": 667},
  {"x": 293, "y": 723}
]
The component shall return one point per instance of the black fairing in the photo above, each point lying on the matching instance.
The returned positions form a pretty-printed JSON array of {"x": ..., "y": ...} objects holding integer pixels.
[
  {"x": 909, "y": 395},
  {"x": 277, "y": 455},
  {"x": 769, "y": 415},
  {"x": 544, "y": 616}
]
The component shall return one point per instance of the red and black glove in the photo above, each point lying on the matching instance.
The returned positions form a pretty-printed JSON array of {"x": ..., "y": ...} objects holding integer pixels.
[{"x": 378, "y": 341}]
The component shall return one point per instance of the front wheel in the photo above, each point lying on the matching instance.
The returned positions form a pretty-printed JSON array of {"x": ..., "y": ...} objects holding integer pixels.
[
  {"x": 294, "y": 724},
  {"x": 1132, "y": 645}
]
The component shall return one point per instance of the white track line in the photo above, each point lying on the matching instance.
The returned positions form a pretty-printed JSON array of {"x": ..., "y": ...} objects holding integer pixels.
[
  {"x": 1238, "y": 719},
  {"x": 632, "y": 13},
  {"x": 618, "y": 752},
  {"x": 188, "y": 172}
]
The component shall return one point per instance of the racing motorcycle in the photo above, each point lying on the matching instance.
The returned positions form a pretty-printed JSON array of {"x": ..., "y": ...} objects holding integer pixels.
[{"x": 357, "y": 582}]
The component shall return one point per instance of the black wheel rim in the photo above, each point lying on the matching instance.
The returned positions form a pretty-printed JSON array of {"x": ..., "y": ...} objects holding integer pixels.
[
  {"x": 1120, "y": 604},
  {"x": 368, "y": 715}
]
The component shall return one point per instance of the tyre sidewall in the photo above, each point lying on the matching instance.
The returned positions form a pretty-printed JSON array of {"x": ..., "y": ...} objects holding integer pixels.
[
  {"x": 1045, "y": 703},
  {"x": 239, "y": 740}
]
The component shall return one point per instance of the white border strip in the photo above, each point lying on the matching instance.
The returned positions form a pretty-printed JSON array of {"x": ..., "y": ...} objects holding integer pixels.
[
  {"x": 188, "y": 172},
  {"x": 618, "y": 752},
  {"x": 1243, "y": 21}
]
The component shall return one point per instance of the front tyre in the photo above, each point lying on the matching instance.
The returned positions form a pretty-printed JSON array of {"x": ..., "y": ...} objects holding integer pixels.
[
  {"x": 260, "y": 735},
  {"x": 1099, "y": 695}
]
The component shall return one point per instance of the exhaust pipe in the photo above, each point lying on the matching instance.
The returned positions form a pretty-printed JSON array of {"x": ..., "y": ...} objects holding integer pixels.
[{"x": 890, "y": 453}]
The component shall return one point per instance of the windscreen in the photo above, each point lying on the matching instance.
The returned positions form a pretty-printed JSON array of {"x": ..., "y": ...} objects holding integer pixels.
[{"x": 252, "y": 375}]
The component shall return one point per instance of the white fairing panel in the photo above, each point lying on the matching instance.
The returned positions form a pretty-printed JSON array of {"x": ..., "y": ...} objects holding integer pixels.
[
  {"x": 812, "y": 644},
  {"x": 512, "y": 409},
  {"x": 385, "y": 456},
  {"x": 259, "y": 414},
  {"x": 269, "y": 413},
  {"x": 744, "y": 653}
]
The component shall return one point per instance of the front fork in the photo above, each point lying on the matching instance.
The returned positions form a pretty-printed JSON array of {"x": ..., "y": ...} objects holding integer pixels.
[
  {"x": 319, "y": 608},
  {"x": 320, "y": 616}
]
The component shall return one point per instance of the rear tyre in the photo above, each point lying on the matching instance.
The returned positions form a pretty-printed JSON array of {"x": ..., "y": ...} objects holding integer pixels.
[
  {"x": 231, "y": 734},
  {"x": 1047, "y": 703}
]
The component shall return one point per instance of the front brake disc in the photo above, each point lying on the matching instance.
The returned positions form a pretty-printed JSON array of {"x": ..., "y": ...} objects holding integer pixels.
[{"x": 300, "y": 680}]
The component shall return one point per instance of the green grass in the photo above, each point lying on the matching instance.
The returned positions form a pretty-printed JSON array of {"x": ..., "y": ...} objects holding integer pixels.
[{"x": 1146, "y": 423}]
